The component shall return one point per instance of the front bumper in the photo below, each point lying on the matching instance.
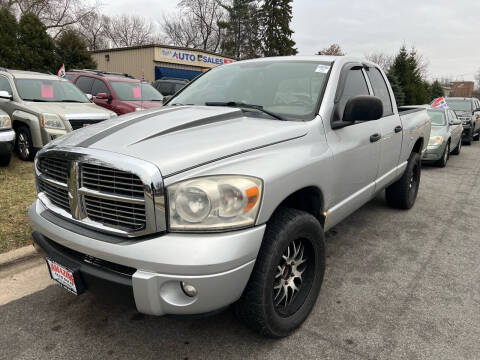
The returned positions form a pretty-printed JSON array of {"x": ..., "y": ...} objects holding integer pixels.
[
  {"x": 217, "y": 265},
  {"x": 433, "y": 153}
]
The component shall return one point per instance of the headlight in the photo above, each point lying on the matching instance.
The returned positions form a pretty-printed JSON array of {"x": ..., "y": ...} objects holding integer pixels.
[
  {"x": 435, "y": 140},
  {"x": 5, "y": 122},
  {"x": 51, "y": 121},
  {"x": 214, "y": 203}
]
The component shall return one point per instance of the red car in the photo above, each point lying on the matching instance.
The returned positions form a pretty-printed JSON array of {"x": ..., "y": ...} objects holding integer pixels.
[{"x": 120, "y": 93}]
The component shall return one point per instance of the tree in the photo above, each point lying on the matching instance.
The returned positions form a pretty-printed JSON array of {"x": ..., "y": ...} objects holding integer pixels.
[
  {"x": 71, "y": 50},
  {"x": 56, "y": 15},
  {"x": 93, "y": 29},
  {"x": 396, "y": 88},
  {"x": 8, "y": 38},
  {"x": 277, "y": 36},
  {"x": 179, "y": 31},
  {"x": 124, "y": 31},
  {"x": 436, "y": 90},
  {"x": 242, "y": 39},
  {"x": 204, "y": 18},
  {"x": 34, "y": 44},
  {"x": 333, "y": 50},
  {"x": 384, "y": 60},
  {"x": 409, "y": 72}
]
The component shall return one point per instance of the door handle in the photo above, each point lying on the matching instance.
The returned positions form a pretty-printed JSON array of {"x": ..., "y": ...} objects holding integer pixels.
[
  {"x": 398, "y": 129},
  {"x": 375, "y": 137}
]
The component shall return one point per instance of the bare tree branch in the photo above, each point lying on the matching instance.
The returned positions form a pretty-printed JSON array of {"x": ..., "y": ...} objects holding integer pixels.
[{"x": 125, "y": 31}]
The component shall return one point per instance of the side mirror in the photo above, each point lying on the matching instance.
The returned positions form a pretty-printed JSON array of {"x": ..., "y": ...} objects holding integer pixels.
[
  {"x": 457, "y": 122},
  {"x": 5, "y": 95},
  {"x": 102, "y": 96},
  {"x": 363, "y": 108},
  {"x": 89, "y": 96}
]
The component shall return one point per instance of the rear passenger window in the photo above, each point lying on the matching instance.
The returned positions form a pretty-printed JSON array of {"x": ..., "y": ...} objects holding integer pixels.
[
  {"x": 84, "y": 83},
  {"x": 380, "y": 90},
  {"x": 99, "y": 87}
]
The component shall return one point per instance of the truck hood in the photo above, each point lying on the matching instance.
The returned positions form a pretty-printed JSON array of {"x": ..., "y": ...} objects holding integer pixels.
[
  {"x": 69, "y": 110},
  {"x": 179, "y": 138}
]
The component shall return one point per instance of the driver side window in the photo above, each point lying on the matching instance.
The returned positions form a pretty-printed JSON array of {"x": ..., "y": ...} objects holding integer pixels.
[{"x": 355, "y": 85}]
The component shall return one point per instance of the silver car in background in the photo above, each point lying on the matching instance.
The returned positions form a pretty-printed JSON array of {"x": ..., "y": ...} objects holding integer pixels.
[
  {"x": 7, "y": 138},
  {"x": 445, "y": 137}
]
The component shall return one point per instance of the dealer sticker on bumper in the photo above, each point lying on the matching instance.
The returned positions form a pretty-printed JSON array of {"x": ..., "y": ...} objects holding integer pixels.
[{"x": 62, "y": 275}]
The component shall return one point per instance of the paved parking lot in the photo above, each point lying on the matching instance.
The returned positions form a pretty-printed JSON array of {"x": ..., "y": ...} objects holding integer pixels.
[{"x": 399, "y": 285}]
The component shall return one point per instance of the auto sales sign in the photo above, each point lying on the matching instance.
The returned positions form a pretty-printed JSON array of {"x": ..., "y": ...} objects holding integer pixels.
[{"x": 194, "y": 58}]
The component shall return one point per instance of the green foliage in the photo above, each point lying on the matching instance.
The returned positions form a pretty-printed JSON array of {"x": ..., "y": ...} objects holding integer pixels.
[
  {"x": 406, "y": 69},
  {"x": 397, "y": 89},
  {"x": 436, "y": 90},
  {"x": 36, "y": 47},
  {"x": 8, "y": 39},
  {"x": 242, "y": 38},
  {"x": 71, "y": 50},
  {"x": 277, "y": 38}
]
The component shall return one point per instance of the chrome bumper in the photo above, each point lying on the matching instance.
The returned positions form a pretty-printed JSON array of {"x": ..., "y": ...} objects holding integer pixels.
[{"x": 7, "y": 136}]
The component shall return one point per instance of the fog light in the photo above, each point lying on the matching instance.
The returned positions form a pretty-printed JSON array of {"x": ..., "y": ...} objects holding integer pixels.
[{"x": 189, "y": 289}]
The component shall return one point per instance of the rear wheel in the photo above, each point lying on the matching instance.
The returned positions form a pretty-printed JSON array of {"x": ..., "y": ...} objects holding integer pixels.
[
  {"x": 287, "y": 276},
  {"x": 445, "y": 156},
  {"x": 403, "y": 193},
  {"x": 458, "y": 148},
  {"x": 24, "y": 144}
]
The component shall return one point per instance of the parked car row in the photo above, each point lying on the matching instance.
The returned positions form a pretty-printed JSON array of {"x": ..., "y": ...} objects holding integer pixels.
[{"x": 41, "y": 107}]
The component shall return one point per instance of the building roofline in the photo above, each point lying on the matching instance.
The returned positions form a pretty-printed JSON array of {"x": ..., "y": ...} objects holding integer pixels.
[{"x": 148, "y": 46}]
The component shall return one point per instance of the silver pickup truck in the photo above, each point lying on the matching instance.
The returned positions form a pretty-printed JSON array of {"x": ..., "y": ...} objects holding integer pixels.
[{"x": 224, "y": 195}]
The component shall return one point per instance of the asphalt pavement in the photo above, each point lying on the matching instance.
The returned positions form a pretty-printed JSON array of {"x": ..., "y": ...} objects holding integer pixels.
[{"x": 399, "y": 285}]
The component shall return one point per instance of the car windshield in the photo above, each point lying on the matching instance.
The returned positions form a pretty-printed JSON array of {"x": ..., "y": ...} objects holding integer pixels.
[
  {"x": 288, "y": 88},
  {"x": 437, "y": 117},
  {"x": 460, "y": 105},
  {"x": 135, "y": 91},
  {"x": 41, "y": 90}
]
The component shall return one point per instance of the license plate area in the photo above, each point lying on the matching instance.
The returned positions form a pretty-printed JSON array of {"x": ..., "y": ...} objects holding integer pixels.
[{"x": 65, "y": 276}]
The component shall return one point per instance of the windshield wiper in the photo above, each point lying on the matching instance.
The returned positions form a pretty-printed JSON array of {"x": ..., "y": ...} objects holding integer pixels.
[
  {"x": 36, "y": 100},
  {"x": 72, "y": 101},
  {"x": 246, "y": 106}
]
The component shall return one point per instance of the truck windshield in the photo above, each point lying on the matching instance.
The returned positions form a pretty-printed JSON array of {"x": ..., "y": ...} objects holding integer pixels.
[
  {"x": 437, "y": 117},
  {"x": 460, "y": 105},
  {"x": 39, "y": 90},
  {"x": 288, "y": 88},
  {"x": 134, "y": 91}
]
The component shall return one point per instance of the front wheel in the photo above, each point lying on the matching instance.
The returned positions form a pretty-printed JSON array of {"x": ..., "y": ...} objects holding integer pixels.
[
  {"x": 287, "y": 276},
  {"x": 445, "y": 156},
  {"x": 403, "y": 193},
  {"x": 469, "y": 139},
  {"x": 24, "y": 144}
]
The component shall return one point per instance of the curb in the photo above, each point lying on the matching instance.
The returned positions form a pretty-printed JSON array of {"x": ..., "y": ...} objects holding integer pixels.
[{"x": 17, "y": 255}]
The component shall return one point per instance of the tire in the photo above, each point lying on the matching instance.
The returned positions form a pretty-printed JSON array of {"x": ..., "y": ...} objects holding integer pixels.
[
  {"x": 457, "y": 150},
  {"x": 445, "y": 156},
  {"x": 469, "y": 140},
  {"x": 24, "y": 144},
  {"x": 476, "y": 137},
  {"x": 403, "y": 193},
  {"x": 5, "y": 159},
  {"x": 264, "y": 305}
]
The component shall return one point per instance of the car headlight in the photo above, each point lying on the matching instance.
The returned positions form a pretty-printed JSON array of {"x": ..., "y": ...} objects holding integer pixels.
[
  {"x": 5, "y": 122},
  {"x": 435, "y": 140},
  {"x": 51, "y": 121},
  {"x": 214, "y": 203}
]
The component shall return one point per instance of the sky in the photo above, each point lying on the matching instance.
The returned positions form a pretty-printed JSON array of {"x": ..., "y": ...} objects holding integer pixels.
[{"x": 446, "y": 33}]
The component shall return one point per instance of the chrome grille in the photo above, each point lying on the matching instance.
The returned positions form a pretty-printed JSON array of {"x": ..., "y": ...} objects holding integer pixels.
[
  {"x": 102, "y": 190},
  {"x": 110, "y": 180},
  {"x": 78, "y": 124},
  {"x": 55, "y": 169},
  {"x": 117, "y": 213},
  {"x": 56, "y": 195}
]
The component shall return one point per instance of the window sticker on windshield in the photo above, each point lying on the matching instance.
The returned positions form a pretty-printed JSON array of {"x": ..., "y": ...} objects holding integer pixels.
[
  {"x": 137, "y": 93},
  {"x": 47, "y": 91},
  {"x": 322, "y": 69}
]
